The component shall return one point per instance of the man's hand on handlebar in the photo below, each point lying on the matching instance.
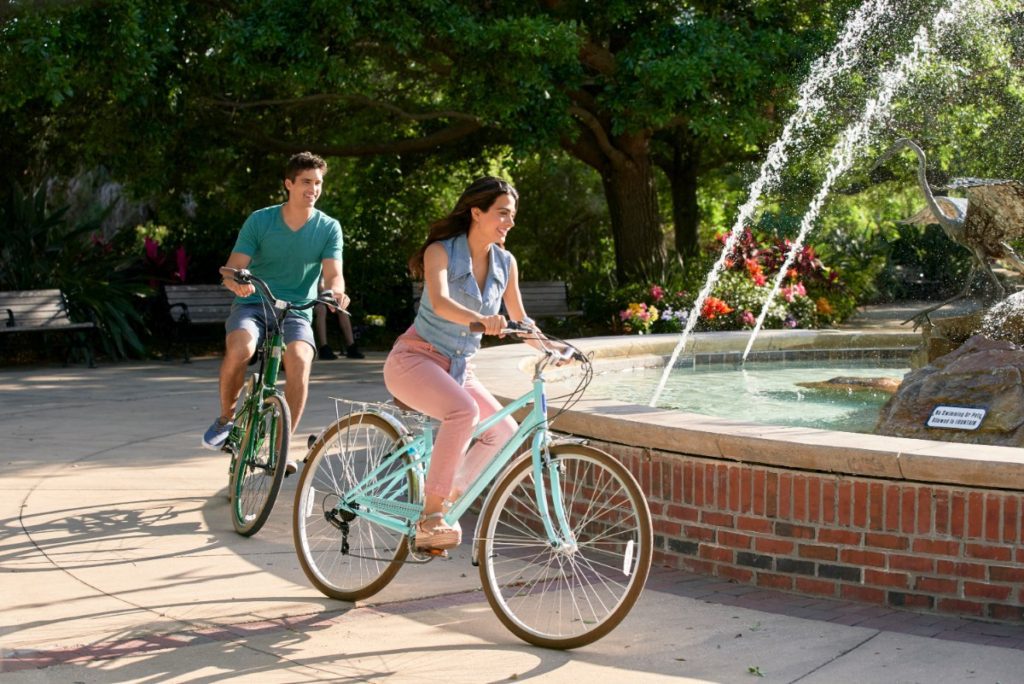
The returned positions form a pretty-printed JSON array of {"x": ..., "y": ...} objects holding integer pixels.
[
  {"x": 335, "y": 303},
  {"x": 230, "y": 280}
]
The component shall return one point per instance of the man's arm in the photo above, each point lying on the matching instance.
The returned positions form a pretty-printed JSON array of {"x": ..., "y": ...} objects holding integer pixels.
[
  {"x": 335, "y": 281},
  {"x": 238, "y": 260}
]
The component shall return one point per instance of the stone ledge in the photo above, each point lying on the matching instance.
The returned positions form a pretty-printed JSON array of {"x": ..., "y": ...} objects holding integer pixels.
[{"x": 507, "y": 369}]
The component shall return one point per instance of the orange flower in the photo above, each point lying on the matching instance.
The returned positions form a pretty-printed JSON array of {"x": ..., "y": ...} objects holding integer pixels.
[{"x": 714, "y": 307}]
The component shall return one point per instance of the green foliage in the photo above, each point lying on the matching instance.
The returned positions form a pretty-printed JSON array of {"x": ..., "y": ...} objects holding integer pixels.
[
  {"x": 194, "y": 107},
  {"x": 40, "y": 250}
]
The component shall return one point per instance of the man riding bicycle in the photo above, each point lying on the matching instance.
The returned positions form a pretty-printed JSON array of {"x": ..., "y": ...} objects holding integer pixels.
[{"x": 290, "y": 246}]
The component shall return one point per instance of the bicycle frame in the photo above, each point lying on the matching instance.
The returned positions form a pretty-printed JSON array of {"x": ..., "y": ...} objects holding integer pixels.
[
  {"x": 366, "y": 504},
  {"x": 266, "y": 383}
]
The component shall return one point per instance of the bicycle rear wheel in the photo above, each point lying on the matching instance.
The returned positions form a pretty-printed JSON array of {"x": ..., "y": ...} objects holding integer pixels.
[
  {"x": 260, "y": 466},
  {"x": 344, "y": 555},
  {"x": 572, "y": 594}
]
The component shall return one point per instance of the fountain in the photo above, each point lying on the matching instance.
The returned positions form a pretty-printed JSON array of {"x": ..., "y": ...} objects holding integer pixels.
[{"x": 897, "y": 521}]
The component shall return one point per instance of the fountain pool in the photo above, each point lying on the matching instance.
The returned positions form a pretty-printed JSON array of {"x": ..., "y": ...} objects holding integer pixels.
[
  {"x": 769, "y": 392},
  {"x": 925, "y": 524}
]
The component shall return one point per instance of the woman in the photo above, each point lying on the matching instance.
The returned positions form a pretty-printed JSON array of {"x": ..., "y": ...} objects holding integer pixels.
[{"x": 467, "y": 275}]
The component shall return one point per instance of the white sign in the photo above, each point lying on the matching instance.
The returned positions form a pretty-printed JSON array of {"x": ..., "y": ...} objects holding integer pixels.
[{"x": 956, "y": 417}]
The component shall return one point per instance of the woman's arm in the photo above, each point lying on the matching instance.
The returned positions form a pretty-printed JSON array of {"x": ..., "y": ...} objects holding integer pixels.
[
  {"x": 517, "y": 312},
  {"x": 435, "y": 279}
]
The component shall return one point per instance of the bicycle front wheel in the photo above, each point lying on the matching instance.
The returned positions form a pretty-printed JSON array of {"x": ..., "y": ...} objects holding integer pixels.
[
  {"x": 241, "y": 418},
  {"x": 572, "y": 593},
  {"x": 346, "y": 556},
  {"x": 260, "y": 466}
]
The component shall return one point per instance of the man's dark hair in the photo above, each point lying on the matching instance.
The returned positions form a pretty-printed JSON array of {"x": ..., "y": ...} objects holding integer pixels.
[{"x": 303, "y": 161}]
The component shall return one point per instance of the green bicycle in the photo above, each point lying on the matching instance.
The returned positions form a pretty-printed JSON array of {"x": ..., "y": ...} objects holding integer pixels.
[
  {"x": 563, "y": 541},
  {"x": 258, "y": 442}
]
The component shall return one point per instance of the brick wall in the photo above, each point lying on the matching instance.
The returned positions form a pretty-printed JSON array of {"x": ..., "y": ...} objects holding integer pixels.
[{"x": 941, "y": 548}]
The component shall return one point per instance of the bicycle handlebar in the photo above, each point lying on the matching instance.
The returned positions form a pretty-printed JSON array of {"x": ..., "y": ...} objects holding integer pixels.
[
  {"x": 512, "y": 327},
  {"x": 246, "y": 277}
]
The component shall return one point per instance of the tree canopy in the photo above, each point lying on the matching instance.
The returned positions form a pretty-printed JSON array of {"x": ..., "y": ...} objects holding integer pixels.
[{"x": 193, "y": 103}]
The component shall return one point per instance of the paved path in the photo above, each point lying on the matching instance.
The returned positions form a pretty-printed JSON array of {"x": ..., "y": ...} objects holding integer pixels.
[{"x": 118, "y": 563}]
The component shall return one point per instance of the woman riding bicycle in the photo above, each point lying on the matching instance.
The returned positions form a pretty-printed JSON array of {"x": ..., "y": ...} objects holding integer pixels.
[{"x": 467, "y": 275}]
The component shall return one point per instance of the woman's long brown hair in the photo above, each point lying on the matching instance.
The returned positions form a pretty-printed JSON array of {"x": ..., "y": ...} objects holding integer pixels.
[{"x": 481, "y": 194}]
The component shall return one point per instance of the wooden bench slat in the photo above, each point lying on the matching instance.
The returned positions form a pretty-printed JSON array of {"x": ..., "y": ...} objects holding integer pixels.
[
  {"x": 541, "y": 298},
  {"x": 205, "y": 304}
]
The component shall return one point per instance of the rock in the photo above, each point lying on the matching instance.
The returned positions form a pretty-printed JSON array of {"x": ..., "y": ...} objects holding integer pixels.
[
  {"x": 944, "y": 335},
  {"x": 981, "y": 373},
  {"x": 847, "y": 385},
  {"x": 1005, "y": 319}
]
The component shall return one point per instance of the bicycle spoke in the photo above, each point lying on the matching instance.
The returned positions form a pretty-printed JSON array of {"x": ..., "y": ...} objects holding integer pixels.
[
  {"x": 346, "y": 555},
  {"x": 564, "y": 593}
]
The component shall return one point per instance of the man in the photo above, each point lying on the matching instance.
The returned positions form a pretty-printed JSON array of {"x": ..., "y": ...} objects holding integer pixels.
[{"x": 290, "y": 246}]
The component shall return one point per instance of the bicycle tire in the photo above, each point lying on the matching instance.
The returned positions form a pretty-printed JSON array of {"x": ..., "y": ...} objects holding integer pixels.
[
  {"x": 241, "y": 417},
  {"x": 566, "y": 597},
  {"x": 260, "y": 466},
  {"x": 344, "y": 454}
]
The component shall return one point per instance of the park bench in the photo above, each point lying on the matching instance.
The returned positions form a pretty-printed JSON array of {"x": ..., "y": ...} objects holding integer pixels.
[
  {"x": 45, "y": 311},
  {"x": 191, "y": 305},
  {"x": 541, "y": 298}
]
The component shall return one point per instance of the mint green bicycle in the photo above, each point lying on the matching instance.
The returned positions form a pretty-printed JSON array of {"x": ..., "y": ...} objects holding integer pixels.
[
  {"x": 563, "y": 541},
  {"x": 258, "y": 441}
]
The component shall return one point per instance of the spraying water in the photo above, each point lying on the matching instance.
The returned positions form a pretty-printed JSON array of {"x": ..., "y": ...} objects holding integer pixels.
[
  {"x": 857, "y": 135},
  {"x": 810, "y": 102}
]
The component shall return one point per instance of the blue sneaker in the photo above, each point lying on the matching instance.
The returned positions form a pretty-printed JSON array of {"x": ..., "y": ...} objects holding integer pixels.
[{"x": 217, "y": 433}]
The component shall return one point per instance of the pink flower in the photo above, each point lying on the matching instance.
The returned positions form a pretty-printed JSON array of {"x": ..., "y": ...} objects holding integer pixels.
[
  {"x": 657, "y": 292},
  {"x": 748, "y": 318}
]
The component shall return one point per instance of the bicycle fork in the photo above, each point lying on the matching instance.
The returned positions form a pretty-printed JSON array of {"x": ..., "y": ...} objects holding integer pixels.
[{"x": 557, "y": 528}]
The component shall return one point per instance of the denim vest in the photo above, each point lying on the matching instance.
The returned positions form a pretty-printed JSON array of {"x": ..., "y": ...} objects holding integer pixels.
[{"x": 455, "y": 340}]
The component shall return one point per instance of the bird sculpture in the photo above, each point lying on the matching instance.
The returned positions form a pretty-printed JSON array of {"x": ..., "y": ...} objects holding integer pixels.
[{"x": 984, "y": 222}]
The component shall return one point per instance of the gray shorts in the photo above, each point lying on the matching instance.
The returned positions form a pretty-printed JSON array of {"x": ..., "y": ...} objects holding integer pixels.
[{"x": 258, "y": 318}]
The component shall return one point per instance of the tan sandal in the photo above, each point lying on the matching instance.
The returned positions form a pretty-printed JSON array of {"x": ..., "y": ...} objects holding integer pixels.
[{"x": 439, "y": 536}]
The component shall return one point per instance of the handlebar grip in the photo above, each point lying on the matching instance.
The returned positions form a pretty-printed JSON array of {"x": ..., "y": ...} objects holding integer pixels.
[
  {"x": 239, "y": 275},
  {"x": 510, "y": 326}
]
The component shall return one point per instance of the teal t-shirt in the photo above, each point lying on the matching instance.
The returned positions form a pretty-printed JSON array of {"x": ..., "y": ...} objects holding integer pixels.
[{"x": 289, "y": 260}]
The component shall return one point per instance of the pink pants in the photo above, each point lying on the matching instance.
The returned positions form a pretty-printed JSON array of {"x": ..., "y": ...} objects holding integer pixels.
[{"x": 417, "y": 374}]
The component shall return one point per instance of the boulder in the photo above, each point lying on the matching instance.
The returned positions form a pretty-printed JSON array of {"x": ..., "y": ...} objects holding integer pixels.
[
  {"x": 982, "y": 373},
  {"x": 845, "y": 385}
]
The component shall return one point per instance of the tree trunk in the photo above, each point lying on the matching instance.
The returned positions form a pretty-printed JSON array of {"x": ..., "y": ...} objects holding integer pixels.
[
  {"x": 685, "y": 211},
  {"x": 636, "y": 225}
]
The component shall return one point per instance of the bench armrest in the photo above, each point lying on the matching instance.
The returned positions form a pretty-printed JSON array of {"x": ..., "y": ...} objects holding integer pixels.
[{"x": 184, "y": 317}]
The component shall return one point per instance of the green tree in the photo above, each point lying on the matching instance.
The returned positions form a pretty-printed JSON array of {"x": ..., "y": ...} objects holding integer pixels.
[
  {"x": 207, "y": 84},
  {"x": 195, "y": 102}
]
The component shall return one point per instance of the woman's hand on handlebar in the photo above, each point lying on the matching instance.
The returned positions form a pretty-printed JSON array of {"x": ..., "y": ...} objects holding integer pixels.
[
  {"x": 493, "y": 325},
  {"x": 238, "y": 288}
]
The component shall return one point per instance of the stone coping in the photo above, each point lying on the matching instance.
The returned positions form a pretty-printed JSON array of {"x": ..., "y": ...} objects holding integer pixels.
[{"x": 506, "y": 370}]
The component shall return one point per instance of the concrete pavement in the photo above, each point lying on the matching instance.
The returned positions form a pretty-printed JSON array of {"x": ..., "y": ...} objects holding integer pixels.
[{"x": 118, "y": 563}]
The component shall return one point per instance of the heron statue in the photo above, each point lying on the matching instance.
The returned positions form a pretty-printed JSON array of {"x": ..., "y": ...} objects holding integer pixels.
[{"x": 984, "y": 222}]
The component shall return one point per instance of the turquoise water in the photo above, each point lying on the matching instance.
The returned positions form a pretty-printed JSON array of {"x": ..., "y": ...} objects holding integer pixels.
[{"x": 760, "y": 392}]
